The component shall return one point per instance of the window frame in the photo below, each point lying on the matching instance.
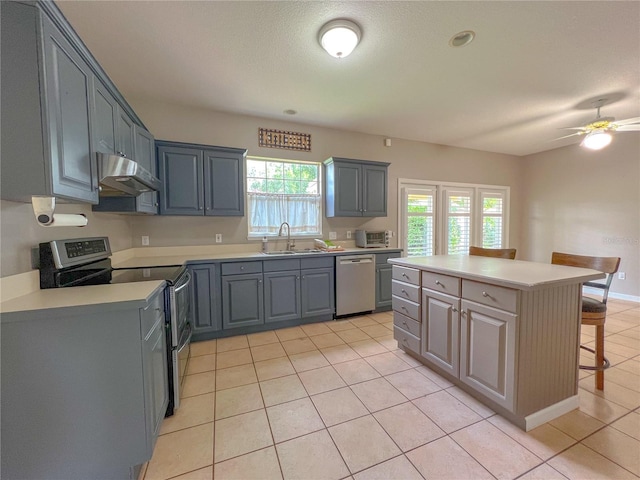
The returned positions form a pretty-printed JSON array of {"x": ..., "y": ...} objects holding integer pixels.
[
  {"x": 440, "y": 210},
  {"x": 260, "y": 235}
]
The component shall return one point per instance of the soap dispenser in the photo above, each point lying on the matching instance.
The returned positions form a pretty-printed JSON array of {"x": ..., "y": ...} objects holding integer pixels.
[{"x": 265, "y": 245}]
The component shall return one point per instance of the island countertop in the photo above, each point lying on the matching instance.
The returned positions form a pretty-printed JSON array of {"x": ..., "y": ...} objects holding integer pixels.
[{"x": 518, "y": 274}]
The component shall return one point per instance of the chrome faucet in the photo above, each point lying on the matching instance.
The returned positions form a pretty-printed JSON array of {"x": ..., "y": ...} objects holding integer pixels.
[{"x": 290, "y": 245}]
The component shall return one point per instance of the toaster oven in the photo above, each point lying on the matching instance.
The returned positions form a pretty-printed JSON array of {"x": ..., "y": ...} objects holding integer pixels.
[{"x": 372, "y": 238}]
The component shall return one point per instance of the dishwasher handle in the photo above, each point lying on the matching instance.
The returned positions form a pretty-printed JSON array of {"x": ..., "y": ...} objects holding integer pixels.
[{"x": 351, "y": 259}]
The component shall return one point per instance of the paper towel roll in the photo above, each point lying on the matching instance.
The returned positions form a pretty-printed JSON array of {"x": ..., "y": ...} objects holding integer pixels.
[{"x": 66, "y": 220}]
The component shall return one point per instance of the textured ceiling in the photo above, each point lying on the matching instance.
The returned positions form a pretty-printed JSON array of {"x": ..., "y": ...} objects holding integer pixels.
[{"x": 532, "y": 69}]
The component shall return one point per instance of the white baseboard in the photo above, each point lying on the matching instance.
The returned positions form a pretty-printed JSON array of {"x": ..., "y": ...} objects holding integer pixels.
[
  {"x": 552, "y": 411},
  {"x": 619, "y": 296}
]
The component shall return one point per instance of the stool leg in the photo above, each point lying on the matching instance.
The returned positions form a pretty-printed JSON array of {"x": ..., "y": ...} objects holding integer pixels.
[{"x": 600, "y": 356}]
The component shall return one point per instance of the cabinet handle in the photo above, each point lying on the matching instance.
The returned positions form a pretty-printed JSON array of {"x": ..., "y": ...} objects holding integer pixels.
[
  {"x": 405, "y": 275},
  {"x": 241, "y": 268},
  {"x": 405, "y": 324},
  {"x": 454, "y": 309},
  {"x": 405, "y": 309},
  {"x": 486, "y": 295},
  {"x": 158, "y": 309},
  {"x": 405, "y": 292},
  {"x": 303, "y": 277},
  {"x": 438, "y": 282},
  {"x": 155, "y": 204}
]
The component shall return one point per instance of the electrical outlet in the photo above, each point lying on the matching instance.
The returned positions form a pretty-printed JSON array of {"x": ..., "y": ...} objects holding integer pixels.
[
  {"x": 622, "y": 276},
  {"x": 332, "y": 235},
  {"x": 348, "y": 233},
  {"x": 145, "y": 240},
  {"x": 218, "y": 238}
]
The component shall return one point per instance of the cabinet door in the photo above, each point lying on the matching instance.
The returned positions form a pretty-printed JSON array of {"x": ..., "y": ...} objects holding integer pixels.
[
  {"x": 487, "y": 356},
  {"x": 383, "y": 286},
  {"x": 124, "y": 134},
  {"x": 103, "y": 120},
  {"x": 154, "y": 366},
  {"x": 242, "y": 300},
  {"x": 145, "y": 155},
  {"x": 318, "y": 292},
  {"x": 205, "y": 305},
  {"x": 181, "y": 173},
  {"x": 374, "y": 191},
  {"x": 282, "y": 296},
  {"x": 69, "y": 86},
  {"x": 224, "y": 183},
  {"x": 347, "y": 190},
  {"x": 440, "y": 330}
]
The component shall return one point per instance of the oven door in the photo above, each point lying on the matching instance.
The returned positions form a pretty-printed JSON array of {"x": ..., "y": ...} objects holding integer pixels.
[
  {"x": 180, "y": 359},
  {"x": 180, "y": 295}
]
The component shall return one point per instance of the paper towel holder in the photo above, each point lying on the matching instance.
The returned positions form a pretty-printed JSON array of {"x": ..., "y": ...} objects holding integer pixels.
[{"x": 43, "y": 209}]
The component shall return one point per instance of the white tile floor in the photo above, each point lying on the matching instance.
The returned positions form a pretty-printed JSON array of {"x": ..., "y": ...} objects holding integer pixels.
[{"x": 338, "y": 400}]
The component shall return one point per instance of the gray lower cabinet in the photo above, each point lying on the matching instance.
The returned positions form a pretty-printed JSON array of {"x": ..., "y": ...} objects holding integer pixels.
[
  {"x": 282, "y": 296},
  {"x": 205, "y": 298},
  {"x": 201, "y": 180},
  {"x": 383, "y": 280},
  {"x": 242, "y": 300},
  {"x": 318, "y": 292},
  {"x": 355, "y": 188},
  {"x": 84, "y": 389},
  {"x": 47, "y": 147},
  {"x": 487, "y": 351},
  {"x": 440, "y": 336}
]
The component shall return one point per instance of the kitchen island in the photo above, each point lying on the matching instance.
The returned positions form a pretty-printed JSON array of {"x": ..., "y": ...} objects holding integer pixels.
[{"x": 505, "y": 331}]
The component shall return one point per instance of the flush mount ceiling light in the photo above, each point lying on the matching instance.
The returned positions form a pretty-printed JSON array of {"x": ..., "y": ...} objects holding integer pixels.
[
  {"x": 339, "y": 37},
  {"x": 597, "y": 140},
  {"x": 463, "y": 38}
]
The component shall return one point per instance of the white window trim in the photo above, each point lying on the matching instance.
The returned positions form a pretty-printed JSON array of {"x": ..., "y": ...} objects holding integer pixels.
[
  {"x": 259, "y": 236},
  {"x": 476, "y": 225},
  {"x": 429, "y": 189}
]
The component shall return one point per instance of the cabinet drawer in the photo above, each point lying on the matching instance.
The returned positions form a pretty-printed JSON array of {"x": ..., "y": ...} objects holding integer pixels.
[
  {"x": 235, "y": 268},
  {"x": 407, "y": 324},
  {"x": 281, "y": 265},
  {"x": 322, "y": 261},
  {"x": 406, "y": 291},
  {"x": 404, "y": 274},
  {"x": 406, "y": 307},
  {"x": 151, "y": 313},
  {"x": 441, "y": 283},
  {"x": 381, "y": 258},
  {"x": 406, "y": 340},
  {"x": 490, "y": 295}
]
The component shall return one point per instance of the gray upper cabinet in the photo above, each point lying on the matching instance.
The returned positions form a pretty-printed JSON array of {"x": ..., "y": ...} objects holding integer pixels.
[
  {"x": 125, "y": 141},
  {"x": 46, "y": 141},
  {"x": 201, "y": 180},
  {"x": 145, "y": 154},
  {"x": 104, "y": 113},
  {"x": 355, "y": 188}
]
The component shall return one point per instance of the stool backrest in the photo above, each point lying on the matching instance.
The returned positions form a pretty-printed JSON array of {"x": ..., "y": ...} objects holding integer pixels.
[
  {"x": 608, "y": 265},
  {"x": 509, "y": 253}
]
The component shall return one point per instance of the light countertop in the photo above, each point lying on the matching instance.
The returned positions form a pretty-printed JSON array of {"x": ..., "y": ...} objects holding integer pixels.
[{"x": 517, "y": 274}]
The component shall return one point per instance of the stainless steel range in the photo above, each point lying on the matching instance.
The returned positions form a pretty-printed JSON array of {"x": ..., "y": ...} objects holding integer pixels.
[{"x": 86, "y": 261}]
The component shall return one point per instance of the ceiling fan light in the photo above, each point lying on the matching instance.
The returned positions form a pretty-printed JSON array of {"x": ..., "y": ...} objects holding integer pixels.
[
  {"x": 339, "y": 37},
  {"x": 596, "y": 140}
]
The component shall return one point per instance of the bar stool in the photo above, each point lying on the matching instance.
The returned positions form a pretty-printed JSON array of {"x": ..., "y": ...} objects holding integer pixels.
[
  {"x": 509, "y": 253},
  {"x": 594, "y": 311}
]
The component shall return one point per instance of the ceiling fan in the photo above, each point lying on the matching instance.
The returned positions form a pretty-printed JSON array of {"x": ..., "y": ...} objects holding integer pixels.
[{"x": 598, "y": 132}]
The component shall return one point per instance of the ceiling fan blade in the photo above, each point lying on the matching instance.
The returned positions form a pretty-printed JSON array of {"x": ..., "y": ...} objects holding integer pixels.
[
  {"x": 571, "y": 135},
  {"x": 627, "y": 121},
  {"x": 628, "y": 128}
]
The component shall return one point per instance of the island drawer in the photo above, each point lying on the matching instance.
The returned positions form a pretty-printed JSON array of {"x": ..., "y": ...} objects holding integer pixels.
[
  {"x": 151, "y": 314},
  {"x": 406, "y": 291},
  {"x": 406, "y": 307},
  {"x": 404, "y": 274},
  {"x": 441, "y": 283},
  {"x": 235, "y": 268},
  {"x": 490, "y": 295},
  {"x": 405, "y": 339},
  {"x": 406, "y": 324}
]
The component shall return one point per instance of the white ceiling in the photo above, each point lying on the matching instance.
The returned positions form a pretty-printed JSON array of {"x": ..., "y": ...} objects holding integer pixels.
[{"x": 533, "y": 68}]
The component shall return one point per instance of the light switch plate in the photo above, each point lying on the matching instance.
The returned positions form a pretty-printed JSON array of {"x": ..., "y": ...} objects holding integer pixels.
[
  {"x": 348, "y": 233},
  {"x": 622, "y": 276},
  {"x": 145, "y": 240},
  {"x": 218, "y": 238}
]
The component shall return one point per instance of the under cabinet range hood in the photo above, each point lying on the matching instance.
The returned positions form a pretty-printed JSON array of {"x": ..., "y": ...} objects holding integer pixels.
[{"x": 121, "y": 176}]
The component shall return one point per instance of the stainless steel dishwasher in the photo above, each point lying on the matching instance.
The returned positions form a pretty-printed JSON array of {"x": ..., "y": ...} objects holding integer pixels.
[{"x": 355, "y": 284}]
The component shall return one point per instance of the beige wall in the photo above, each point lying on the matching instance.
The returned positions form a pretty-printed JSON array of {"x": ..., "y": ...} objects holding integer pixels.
[
  {"x": 408, "y": 160},
  {"x": 585, "y": 202},
  {"x": 19, "y": 232}
]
